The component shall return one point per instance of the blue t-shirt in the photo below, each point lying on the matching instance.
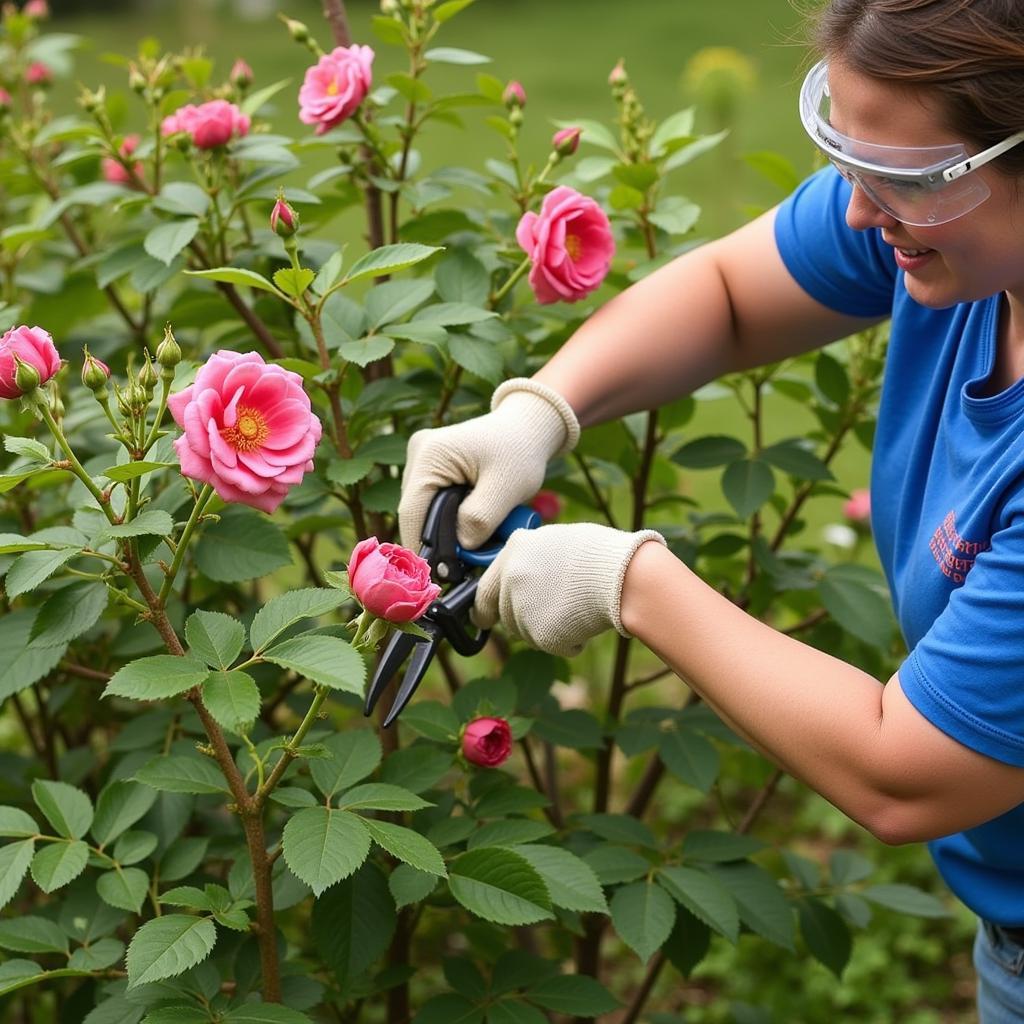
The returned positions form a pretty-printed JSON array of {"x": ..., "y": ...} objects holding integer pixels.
[{"x": 947, "y": 511}]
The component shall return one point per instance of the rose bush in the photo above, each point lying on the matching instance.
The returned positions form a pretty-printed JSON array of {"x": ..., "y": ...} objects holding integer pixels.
[{"x": 224, "y": 830}]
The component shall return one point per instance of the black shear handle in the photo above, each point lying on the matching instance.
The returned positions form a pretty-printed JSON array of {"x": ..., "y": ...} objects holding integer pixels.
[{"x": 447, "y": 614}]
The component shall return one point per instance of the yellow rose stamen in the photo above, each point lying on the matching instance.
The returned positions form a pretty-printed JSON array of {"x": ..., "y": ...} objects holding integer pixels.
[
  {"x": 573, "y": 246},
  {"x": 248, "y": 433},
  {"x": 332, "y": 89}
]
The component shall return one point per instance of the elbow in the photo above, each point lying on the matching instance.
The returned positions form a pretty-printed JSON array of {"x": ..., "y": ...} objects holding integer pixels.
[{"x": 897, "y": 822}]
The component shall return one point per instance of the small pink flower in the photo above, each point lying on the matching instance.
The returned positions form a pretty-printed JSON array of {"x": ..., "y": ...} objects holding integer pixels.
[
  {"x": 250, "y": 431},
  {"x": 37, "y": 73},
  {"x": 514, "y": 95},
  {"x": 858, "y": 508},
  {"x": 37, "y": 9},
  {"x": 335, "y": 86},
  {"x": 487, "y": 742},
  {"x": 114, "y": 171},
  {"x": 284, "y": 221},
  {"x": 210, "y": 124},
  {"x": 31, "y": 345},
  {"x": 547, "y": 505},
  {"x": 570, "y": 244},
  {"x": 241, "y": 74},
  {"x": 566, "y": 141},
  {"x": 390, "y": 581}
]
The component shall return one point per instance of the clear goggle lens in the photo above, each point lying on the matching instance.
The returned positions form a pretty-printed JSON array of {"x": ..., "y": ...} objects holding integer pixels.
[{"x": 905, "y": 182}]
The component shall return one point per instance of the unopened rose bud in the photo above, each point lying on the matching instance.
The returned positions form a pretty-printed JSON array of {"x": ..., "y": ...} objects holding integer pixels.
[
  {"x": 566, "y": 141},
  {"x": 514, "y": 95},
  {"x": 618, "y": 76},
  {"x": 148, "y": 376},
  {"x": 37, "y": 73},
  {"x": 297, "y": 30},
  {"x": 56, "y": 405},
  {"x": 90, "y": 101},
  {"x": 136, "y": 80},
  {"x": 26, "y": 376},
  {"x": 95, "y": 373},
  {"x": 136, "y": 399},
  {"x": 241, "y": 75},
  {"x": 168, "y": 352},
  {"x": 284, "y": 221}
]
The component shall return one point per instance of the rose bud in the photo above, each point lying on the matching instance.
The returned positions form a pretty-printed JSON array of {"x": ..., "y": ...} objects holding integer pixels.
[
  {"x": 618, "y": 76},
  {"x": 168, "y": 352},
  {"x": 148, "y": 377},
  {"x": 36, "y": 9},
  {"x": 390, "y": 581},
  {"x": 514, "y": 95},
  {"x": 37, "y": 73},
  {"x": 31, "y": 345},
  {"x": 95, "y": 373},
  {"x": 284, "y": 221},
  {"x": 114, "y": 171},
  {"x": 26, "y": 376},
  {"x": 547, "y": 505},
  {"x": 241, "y": 75},
  {"x": 487, "y": 742},
  {"x": 858, "y": 508},
  {"x": 566, "y": 141},
  {"x": 296, "y": 29}
]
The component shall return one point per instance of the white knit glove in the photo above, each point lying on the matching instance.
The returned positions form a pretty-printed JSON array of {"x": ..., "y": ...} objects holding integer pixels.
[
  {"x": 560, "y": 585},
  {"x": 503, "y": 455}
]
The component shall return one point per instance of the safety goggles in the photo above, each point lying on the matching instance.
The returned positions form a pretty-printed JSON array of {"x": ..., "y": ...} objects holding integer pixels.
[{"x": 918, "y": 185}]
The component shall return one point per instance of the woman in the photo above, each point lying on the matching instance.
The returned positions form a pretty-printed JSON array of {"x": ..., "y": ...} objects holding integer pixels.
[{"x": 919, "y": 104}]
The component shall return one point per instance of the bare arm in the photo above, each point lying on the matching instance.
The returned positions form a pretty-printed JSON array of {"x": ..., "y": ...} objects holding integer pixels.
[
  {"x": 861, "y": 745},
  {"x": 726, "y": 306}
]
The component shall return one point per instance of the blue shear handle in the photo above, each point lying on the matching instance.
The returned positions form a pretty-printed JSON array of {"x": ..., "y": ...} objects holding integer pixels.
[{"x": 520, "y": 518}]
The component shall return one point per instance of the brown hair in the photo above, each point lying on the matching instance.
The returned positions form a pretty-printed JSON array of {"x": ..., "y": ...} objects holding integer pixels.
[{"x": 968, "y": 53}]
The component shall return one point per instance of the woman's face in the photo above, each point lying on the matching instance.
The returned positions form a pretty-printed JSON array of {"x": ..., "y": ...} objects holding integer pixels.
[{"x": 975, "y": 256}]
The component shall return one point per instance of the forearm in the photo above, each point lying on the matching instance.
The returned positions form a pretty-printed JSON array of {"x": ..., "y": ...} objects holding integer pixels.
[{"x": 813, "y": 715}]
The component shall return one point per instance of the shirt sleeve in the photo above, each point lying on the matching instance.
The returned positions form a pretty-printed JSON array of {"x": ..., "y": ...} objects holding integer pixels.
[
  {"x": 966, "y": 674},
  {"x": 852, "y": 272}
]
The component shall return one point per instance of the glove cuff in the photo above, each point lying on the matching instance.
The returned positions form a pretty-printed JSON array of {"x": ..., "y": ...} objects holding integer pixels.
[
  {"x": 526, "y": 385},
  {"x": 636, "y": 539}
]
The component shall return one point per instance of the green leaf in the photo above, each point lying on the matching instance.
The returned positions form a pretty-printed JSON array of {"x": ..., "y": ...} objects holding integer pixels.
[
  {"x": 574, "y": 994},
  {"x": 452, "y": 55},
  {"x": 381, "y": 796},
  {"x": 449, "y": 1008},
  {"x": 643, "y": 915},
  {"x": 711, "y": 451},
  {"x": 906, "y": 899},
  {"x": 450, "y": 314},
  {"x": 775, "y": 168},
  {"x": 449, "y": 9},
  {"x": 182, "y": 773},
  {"x": 513, "y": 1011},
  {"x": 477, "y": 356},
  {"x": 214, "y": 637},
  {"x": 762, "y": 904},
  {"x": 831, "y": 379},
  {"x": 690, "y": 757},
  {"x": 14, "y": 862},
  {"x": 266, "y": 1013},
  {"x": 615, "y": 864},
  {"x": 67, "y": 809},
  {"x": 432, "y": 719},
  {"x": 14, "y": 544},
  {"x": 793, "y": 458},
  {"x": 858, "y": 608},
  {"x": 705, "y": 897},
  {"x": 131, "y": 847},
  {"x": 364, "y": 351},
  {"x": 16, "y": 823},
  {"x": 388, "y": 302},
  {"x": 23, "y": 661},
  {"x": 235, "y": 275},
  {"x": 119, "y": 806},
  {"x": 388, "y": 259},
  {"x": 168, "y": 946},
  {"x": 33, "y": 567},
  {"x": 167, "y": 240},
  {"x": 29, "y": 934},
  {"x": 322, "y": 846},
  {"x": 568, "y": 727},
  {"x": 407, "y": 846},
  {"x": 676, "y": 126},
  {"x": 151, "y": 522},
  {"x": 294, "y": 282},
  {"x": 97, "y": 956},
  {"x": 417, "y": 767},
  {"x": 593, "y": 132},
  {"x": 132, "y": 470},
  {"x": 827, "y": 935},
  {"x": 242, "y": 546},
  {"x": 280, "y": 613},
  {"x": 619, "y": 828},
  {"x": 409, "y": 885},
  {"x": 255, "y": 101},
  {"x": 29, "y": 447},
  {"x": 509, "y": 832},
  {"x": 708, "y": 845},
  {"x": 500, "y": 886},
  {"x": 163, "y": 675},
  {"x": 233, "y": 698},
  {"x": 570, "y": 881},
  {"x": 124, "y": 888},
  {"x": 182, "y": 197},
  {"x": 57, "y": 864},
  {"x": 69, "y": 613},
  {"x": 848, "y": 866},
  {"x": 747, "y": 484},
  {"x": 356, "y": 755},
  {"x": 327, "y": 660}
]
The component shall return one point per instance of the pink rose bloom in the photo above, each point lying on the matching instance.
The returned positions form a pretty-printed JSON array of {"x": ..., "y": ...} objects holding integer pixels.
[
  {"x": 37, "y": 9},
  {"x": 487, "y": 742},
  {"x": 335, "y": 86},
  {"x": 547, "y": 505},
  {"x": 210, "y": 124},
  {"x": 569, "y": 243},
  {"x": 31, "y": 345},
  {"x": 37, "y": 73},
  {"x": 250, "y": 431},
  {"x": 114, "y": 171},
  {"x": 390, "y": 581},
  {"x": 858, "y": 508}
]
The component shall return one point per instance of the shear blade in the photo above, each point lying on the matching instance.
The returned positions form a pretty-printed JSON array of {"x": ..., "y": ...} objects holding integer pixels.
[
  {"x": 395, "y": 653},
  {"x": 421, "y": 655}
]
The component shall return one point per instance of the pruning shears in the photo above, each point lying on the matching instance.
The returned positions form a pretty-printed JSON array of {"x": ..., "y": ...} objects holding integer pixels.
[{"x": 457, "y": 569}]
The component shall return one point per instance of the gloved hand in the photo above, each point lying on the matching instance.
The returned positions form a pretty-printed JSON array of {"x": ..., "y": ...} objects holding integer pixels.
[
  {"x": 503, "y": 455},
  {"x": 560, "y": 585}
]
